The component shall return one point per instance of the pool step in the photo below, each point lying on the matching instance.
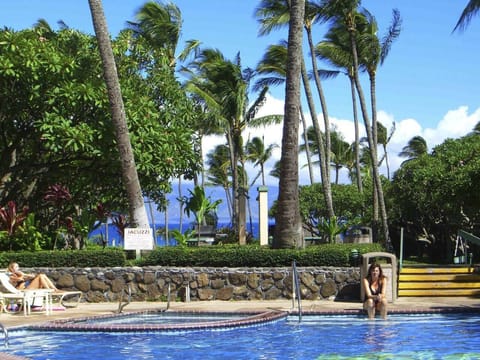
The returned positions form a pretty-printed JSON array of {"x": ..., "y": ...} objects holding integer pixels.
[{"x": 438, "y": 281}]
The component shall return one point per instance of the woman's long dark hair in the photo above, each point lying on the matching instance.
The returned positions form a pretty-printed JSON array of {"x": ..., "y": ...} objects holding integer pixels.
[{"x": 369, "y": 274}]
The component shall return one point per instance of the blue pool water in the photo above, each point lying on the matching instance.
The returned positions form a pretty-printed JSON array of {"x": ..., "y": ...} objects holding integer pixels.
[
  {"x": 163, "y": 318},
  {"x": 426, "y": 336}
]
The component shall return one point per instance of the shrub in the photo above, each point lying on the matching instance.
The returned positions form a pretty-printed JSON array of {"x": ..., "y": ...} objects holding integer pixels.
[
  {"x": 75, "y": 258},
  {"x": 255, "y": 256}
]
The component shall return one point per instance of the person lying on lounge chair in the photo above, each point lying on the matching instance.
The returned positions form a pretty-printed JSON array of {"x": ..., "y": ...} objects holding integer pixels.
[{"x": 28, "y": 281}]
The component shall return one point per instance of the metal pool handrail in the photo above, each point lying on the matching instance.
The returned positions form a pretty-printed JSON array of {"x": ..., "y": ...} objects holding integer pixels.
[
  {"x": 296, "y": 290},
  {"x": 5, "y": 335}
]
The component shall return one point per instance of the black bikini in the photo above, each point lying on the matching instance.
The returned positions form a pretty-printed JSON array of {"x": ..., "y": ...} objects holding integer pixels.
[{"x": 376, "y": 292}]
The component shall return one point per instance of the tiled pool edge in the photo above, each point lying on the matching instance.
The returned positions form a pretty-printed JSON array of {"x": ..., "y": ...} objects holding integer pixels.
[{"x": 251, "y": 319}]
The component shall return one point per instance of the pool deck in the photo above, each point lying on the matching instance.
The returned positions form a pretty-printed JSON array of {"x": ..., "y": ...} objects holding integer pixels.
[{"x": 403, "y": 304}]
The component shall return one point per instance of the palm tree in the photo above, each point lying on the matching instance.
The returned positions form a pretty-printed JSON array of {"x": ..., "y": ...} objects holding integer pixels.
[
  {"x": 288, "y": 225},
  {"x": 274, "y": 14},
  {"x": 336, "y": 49},
  {"x": 200, "y": 205},
  {"x": 468, "y": 13},
  {"x": 219, "y": 174},
  {"x": 258, "y": 154},
  {"x": 275, "y": 172},
  {"x": 160, "y": 25},
  {"x": 223, "y": 88},
  {"x": 416, "y": 147},
  {"x": 383, "y": 138},
  {"x": 476, "y": 129},
  {"x": 137, "y": 211},
  {"x": 373, "y": 52},
  {"x": 272, "y": 67},
  {"x": 344, "y": 12},
  {"x": 341, "y": 153}
]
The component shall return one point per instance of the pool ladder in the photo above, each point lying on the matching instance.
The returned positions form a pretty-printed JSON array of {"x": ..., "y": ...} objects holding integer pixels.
[
  {"x": 296, "y": 292},
  {"x": 121, "y": 303},
  {"x": 4, "y": 330}
]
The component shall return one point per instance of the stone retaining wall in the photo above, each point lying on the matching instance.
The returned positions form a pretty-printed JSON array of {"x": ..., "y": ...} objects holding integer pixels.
[{"x": 195, "y": 284}]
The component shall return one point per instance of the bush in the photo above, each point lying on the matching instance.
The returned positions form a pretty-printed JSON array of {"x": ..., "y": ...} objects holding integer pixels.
[
  {"x": 110, "y": 257},
  {"x": 255, "y": 256}
]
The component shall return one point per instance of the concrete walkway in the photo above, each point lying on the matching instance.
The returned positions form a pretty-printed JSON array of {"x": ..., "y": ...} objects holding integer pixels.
[{"x": 407, "y": 304}]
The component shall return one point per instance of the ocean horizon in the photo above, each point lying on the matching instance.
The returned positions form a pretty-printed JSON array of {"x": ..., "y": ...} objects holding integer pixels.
[
  {"x": 174, "y": 212},
  {"x": 214, "y": 193},
  {"x": 113, "y": 238}
]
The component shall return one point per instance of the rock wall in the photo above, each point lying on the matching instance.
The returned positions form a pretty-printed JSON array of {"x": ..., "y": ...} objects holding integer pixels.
[{"x": 197, "y": 284}]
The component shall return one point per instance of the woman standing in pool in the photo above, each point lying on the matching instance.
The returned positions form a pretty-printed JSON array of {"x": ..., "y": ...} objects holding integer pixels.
[
  {"x": 375, "y": 284},
  {"x": 28, "y": 281}
]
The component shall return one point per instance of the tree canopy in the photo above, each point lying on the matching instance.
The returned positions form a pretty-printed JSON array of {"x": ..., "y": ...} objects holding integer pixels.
[{"x": 56, "y": 127}]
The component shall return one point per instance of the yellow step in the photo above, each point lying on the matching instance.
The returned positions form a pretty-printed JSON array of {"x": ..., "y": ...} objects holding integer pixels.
[
  {"x": 439, "y": 277},
  {"x": 439, "y": 285},
  {"x": 437, "y": 292},
  {"x": 452, "y": 270}
]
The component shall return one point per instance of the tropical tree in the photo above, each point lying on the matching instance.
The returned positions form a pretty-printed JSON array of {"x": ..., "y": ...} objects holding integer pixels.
[
  {"x": 336, "y": 50},
  {"x": 331, "y": 227},
  {"x": 288, "y": 229},
  {"x": 219, "y": 172},
  {"x": 258, "y": 154},
  {"x": 341, "y": 153},
  {"x": 223, "y": 88},
  {"x": 349, "y": 206},
  {"x": 11, "y": 221},
  {"x": 273, "y": 14},
  {"x": 138, "y": 213},
  {"x": 199, "y": 205},
  {"x": 450, "y": 174},
  {"x": 417, "y": 146},
  {"x": 160, "y": 26},
  {"x": 383, "y": 138},
  {"x": 467, "y": 15},
  {"x": 344, "y": 13},
  {"x": 476, "y": 129},
  {"x": 272, "y": 69}
]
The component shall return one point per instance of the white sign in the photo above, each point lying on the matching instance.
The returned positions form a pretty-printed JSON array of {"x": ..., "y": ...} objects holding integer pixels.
[{"x": 138, "y": 239}]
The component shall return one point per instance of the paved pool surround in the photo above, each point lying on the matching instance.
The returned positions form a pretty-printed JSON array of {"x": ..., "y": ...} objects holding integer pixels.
[{"x": 202, "y": 284}]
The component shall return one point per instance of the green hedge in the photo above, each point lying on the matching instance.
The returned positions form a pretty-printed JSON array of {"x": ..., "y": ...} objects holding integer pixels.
[
  {"x": 256, "y": 256},
  {"x": 109, "y": 257},
  {"x": 208, "y": 256}
]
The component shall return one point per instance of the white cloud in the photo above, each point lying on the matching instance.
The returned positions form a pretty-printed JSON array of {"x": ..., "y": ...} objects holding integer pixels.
[{"x": 456, "y": 123}]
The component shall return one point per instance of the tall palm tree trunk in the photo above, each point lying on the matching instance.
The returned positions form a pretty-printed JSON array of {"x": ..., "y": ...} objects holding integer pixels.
[
  {"x": 371, "y": 140},
  {"x": 137, "y": 211},
  {"x": 288, "y": 224},
  {"x": 324, "y": 167},
  {"x": 357, "y": 134},
  {"x": 373, "y": 104},
  {"x": 323, "y": 104},
  {"x": 307, "y": 147}
]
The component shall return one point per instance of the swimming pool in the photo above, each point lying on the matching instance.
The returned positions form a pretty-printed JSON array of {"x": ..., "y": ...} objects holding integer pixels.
[{"x": 420, "y": 336}]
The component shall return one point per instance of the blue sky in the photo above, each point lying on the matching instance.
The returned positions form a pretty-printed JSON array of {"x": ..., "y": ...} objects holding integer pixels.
[{"x": 428, "y": 85}]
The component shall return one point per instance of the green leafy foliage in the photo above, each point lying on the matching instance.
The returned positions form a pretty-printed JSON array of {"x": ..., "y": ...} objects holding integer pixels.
[
  {"x": 56, "y": 124},
  {"x": 199, "y": 204},
  {"x": 438, "y": 193},
  {"x": 255, "y": 256},
  {"x": 75, "y": 258},
  {"x": 331, "y": 228}
]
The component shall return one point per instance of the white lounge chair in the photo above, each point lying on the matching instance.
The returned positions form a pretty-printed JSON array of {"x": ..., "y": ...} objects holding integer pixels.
[
  {"x": 58, "y": 295},
  {"x": 23, "y": 298}
]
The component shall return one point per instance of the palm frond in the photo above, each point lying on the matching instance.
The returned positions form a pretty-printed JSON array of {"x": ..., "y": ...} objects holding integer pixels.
[
  {"x": 472, "y": 8},
  {"x": 392, "y": 34}
]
